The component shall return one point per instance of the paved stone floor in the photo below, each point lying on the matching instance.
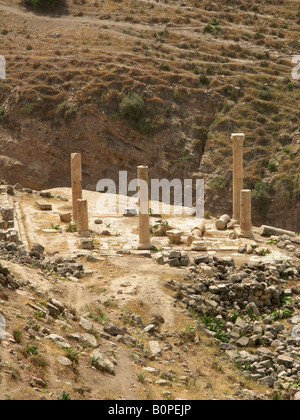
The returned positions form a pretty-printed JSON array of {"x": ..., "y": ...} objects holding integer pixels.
[{"x": 121, "y": 235}]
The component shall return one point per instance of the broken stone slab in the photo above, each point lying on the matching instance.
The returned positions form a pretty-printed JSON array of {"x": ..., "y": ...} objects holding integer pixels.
[
  {"x": 43, "y": 205},
  {"x": 92, "y": 258},
  {"x": 184, "y": 260},
  {"x": 199, "y": 246},
  {"x": 159, "y": 258},
  {"x": 87, "y": 243},
  {"x": 52, "y": 231},
  {"x": 285, "y": 360},
  {"x": 2, "y": 235},
  {"x": 37, "y": 308},
  {"x": 174, "y": 236},
  {"x": 174, "y": 254},
  {"x": 270, "y": 230},
  {"x": 201, "y": 259},
  {"x": 149, "y": 328},
  {"x": 12, "y": 235},
  {"x": 65, "y": 217},
  {"x": 7, "y": 213},
  {"x": 142, "y": 253}
]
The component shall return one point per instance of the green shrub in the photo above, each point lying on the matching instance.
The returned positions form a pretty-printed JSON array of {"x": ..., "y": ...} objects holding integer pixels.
[
  {"x": 217, "y": 184},
  {"x": 261, "y": 198},
  {"x": 272, "y": 166},
  {"x": 43, "y": 4},
  {"x": 217, "y": 326},
  {"x": 132, "y": 107}
]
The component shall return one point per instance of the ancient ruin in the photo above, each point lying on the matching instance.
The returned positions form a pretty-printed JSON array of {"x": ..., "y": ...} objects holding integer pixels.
[
  {"x": 76, "y": 178},
  {"x": 144, "y": 226},
  {"x": 238, "y": 173}
]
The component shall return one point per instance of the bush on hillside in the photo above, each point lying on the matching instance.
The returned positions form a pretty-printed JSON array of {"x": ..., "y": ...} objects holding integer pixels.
[
  {"x": 42, "y": 4},
  {"x": 132, "y": 107}
]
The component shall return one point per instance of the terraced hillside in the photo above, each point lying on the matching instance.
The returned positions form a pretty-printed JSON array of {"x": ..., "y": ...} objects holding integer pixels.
[{"x": 158, "y": 82}]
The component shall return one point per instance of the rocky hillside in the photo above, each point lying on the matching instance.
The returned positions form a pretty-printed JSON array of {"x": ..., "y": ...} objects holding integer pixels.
[
  {"x": 96, "y": 319},
  {"x": 157, "y": 83}
]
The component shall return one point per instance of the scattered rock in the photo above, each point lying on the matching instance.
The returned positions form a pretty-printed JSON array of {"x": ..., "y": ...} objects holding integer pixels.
[
  {"x": 155, "y": 349},
  {"x": 101, "y": 363}
]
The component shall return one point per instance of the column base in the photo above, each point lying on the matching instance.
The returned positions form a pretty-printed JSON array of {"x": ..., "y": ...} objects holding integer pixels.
[
  {"x": 144, "y": 247},
  {"x": 84, "y": 234},
  {"x": 246, "y": 235}
]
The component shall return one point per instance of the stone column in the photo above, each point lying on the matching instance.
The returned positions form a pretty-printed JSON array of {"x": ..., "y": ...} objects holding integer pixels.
[
  {"x": 76, "y": 176},
  {"x": 238, "y": 173},
  {"x": 246, "y": 225},
  {"x": 82, "y": 218},
  {"x": 144, "y": 226}
]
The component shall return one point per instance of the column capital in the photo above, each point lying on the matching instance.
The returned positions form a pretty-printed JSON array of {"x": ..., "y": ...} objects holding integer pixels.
[{"x": 238, "y": 137}]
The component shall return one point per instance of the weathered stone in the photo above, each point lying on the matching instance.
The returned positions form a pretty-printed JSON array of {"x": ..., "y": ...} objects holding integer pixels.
[
  {"x": 60, "y": 341},
  {"x": 86, "y": 324},
  {"x": 174, "y": 254},
  {"x": 38, "y": 383},
  {"x": 64, "y": 361},
  {"x": 270, "y": 230},
  {"x": 174, "y": 236},
  {"x": 112, "y": 329},
  {"x": 285, "y": 360},
  {"x": 89, "y": 339},
  {"x": 38, "y": 248},
  {"x": 43, "y": 205},
  {"x": 199, "y": 246},
  {"x": 101, "y": 363},
  {"x": 149, "y": 328},
  {"x": 243, "y": 342},
  {"x": 155, "y": 349},
  {"x": 65, "y": 217},
  {"x": 87, "y": 243},
  {"x": 159, "y": 258}
]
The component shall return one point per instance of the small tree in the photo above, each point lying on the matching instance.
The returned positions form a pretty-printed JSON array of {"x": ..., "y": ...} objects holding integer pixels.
[{"x": 132, "y": 107}]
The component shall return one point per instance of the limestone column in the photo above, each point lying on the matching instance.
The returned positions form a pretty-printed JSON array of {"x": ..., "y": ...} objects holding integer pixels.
[
  {"x": 82, "y": 218},
  {"x": 238, "y": 172},
  {"x": 76, "y": 176},
  {"x": 246, "y": 231},
  {"x": 143, "y": 191}
]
